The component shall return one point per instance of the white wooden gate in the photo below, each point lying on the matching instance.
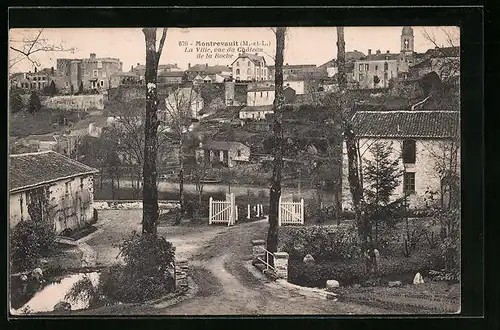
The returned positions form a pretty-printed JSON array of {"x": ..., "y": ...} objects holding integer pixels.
[
  {"x": 291, "y": 213},
  {"x": 223, "y": 211}
]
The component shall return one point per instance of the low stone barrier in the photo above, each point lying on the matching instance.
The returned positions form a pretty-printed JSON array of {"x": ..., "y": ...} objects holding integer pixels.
[
  {"x": 181, "y": 274},
  {"x": 130, "y": 205},
  {"x": 280, "y": 258}
]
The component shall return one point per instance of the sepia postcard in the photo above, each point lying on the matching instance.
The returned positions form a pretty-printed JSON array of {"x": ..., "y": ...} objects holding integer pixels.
[{"x": 234, "y": 171}]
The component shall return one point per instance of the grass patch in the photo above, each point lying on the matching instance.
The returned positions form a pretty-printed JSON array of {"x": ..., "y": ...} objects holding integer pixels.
[{"x": 43, "y": 122}]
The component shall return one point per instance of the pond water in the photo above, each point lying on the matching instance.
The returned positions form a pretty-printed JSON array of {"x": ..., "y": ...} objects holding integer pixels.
[{"x": 45, "y": 299}]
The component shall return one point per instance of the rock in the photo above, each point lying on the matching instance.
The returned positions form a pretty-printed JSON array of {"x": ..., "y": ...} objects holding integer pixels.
[
  {"x": 37, "y": 274},
  {"x": 394, "y": 283},
  {"x": 377, "y": 255},
  {"x": 62, "y": 306},
  {"x": 24, "y": 278},
  {"x": 330, "y": 284},
  {"x": 308, "y": 259},
  {"x": 418, "y": 279}
]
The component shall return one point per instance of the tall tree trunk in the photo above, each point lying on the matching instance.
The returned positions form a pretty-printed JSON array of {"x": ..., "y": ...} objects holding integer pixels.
[
  {"x": 181, "y": 182},
  {"x": 275, "y": 192},
  {"x": 150, "y": 191},
  {"x": 363, "y": 224}
]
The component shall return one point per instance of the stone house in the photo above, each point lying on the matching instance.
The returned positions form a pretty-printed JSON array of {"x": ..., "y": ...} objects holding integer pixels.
[
  {"x": 375, "y": 70},
  {"x": 258, "y": 96},
  {"x": 172, "y": 77},
  {"x": 421, "y": 142},
  {"x": 123, "y": 79},
  {"x": 249, "y": 67},
  {"x": 203, "y": 70},
  {"x": 227, "y": 153},
  {"x": 256, "y": 113},
  {"x": 62, "y": 187}
]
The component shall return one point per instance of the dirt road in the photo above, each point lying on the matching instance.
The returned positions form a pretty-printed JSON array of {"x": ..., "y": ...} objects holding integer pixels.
[{"x": 217, "y": 258}]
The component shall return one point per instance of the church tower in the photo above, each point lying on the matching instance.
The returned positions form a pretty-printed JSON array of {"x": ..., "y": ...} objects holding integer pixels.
[
  {"x": 407, "y": 40},
  {"x": 406, "y": 55}
]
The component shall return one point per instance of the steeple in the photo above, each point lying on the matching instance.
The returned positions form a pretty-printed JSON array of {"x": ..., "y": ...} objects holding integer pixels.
[{"x": 407, "y": 39}]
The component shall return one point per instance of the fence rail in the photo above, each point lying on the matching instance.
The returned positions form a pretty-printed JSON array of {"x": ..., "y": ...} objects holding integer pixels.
[
  {"x": 223, "y": 211},
  {"x": 269, "y": 256},
  {"x": 166, "y": 201}
]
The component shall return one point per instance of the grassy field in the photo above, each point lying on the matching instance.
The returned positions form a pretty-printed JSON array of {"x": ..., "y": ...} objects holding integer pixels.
[{"x": 43, "y": 122}]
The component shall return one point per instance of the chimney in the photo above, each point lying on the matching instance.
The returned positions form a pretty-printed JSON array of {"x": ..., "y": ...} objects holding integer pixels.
[
  {"x": 92, "y": 56},
  {"x": 137, "y": 64},
  {"x": 189, "y": 65},
  {"x": 52, "y": 70},
  {"x": 36, "y": 69},
  {"x": 369, "y": 51},
  {"x": 387, "y": 52},
  {"x": 378, "y": 51},
  {"x": 256, "y": 54},
  {"x": 131, "y": 68},
  {"x": 206, "y": 65}
]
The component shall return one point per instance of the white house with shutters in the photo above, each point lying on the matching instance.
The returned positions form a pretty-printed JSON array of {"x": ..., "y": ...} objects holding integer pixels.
[{"x": 421, "y": 141}]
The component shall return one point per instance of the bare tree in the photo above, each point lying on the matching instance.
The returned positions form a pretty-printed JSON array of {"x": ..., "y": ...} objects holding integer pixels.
[
  {"x": 179, "y": 114},
  {"x": 150, "y": 192},
  {"x": 444, "y": 58},
  {"x": 29, "y": 45},
  {"x": 275, "y": 191}
]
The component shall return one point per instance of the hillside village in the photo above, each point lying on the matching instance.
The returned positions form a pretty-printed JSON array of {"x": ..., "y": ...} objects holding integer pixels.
[{"x": 83, "y": 121}]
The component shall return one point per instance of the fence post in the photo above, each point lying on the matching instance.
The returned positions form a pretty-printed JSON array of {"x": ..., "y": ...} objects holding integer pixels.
[
  {"x": 261, "y": 209},
  {"x": 258, "y": 210},
  {"x": 210, "y": 211},
  {"x": 281, "y": 265},
  {"x": 302, "y": 210},
  {"x": 236, "y": 219},
  {"x": 279, "y": 212},
  {"x": 248, "y": 212},
  {"x": 257, "y": 250}
]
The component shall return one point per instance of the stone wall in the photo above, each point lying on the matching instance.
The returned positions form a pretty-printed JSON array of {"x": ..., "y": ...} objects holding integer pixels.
[
  {"x": 129, "y": 205},
  {"x": 181, "y": 274},
  {"x": 75, "y": 102}
]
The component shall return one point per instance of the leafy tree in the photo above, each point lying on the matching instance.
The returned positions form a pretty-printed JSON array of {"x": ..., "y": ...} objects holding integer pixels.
[
  {"x": 381, "y": 177},
  {"x": 35, "y": 104},
  {"x": 15, "y": 100},
  {"x": 52, "y": 88},
  {"x": 80, "y": 88}
]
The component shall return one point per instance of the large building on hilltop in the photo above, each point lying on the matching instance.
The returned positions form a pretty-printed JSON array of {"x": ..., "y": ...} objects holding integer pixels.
[
  {"x": 250, "y": 67},
  {"x": 92, "y": 73}
]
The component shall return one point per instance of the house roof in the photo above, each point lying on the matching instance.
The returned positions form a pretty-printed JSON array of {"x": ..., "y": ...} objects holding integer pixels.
[
  {"x": 34, "y": 169},
  {"x": 124, "y": 74},
  {"x": 406, "y": 123},
  {"x": 171, "y": 74},
  {"x": 204, "y": 69},
  {"x": 257, "y": 108},
  {"x": 380, "y": 57},
  {"x": 443, "y": 52},
  {"x": 296, "y": 66},
  {"x": 224, "y": 145},
  {"x": 252, "y": 57},
  {"x": 260, "y": 88}
]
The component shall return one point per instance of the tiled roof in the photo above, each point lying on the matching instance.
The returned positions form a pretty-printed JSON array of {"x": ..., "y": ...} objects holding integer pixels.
[
  {"x": 208, "y": 69},
  {"x": 443, "y": 52},
  {"x": 416, "y": 124},
  {"x": 260, "y": 88},
  {"x": 34, "y": 169},
  {"x": 224, "y": 145},
  {"x": 296, "y": 66},
  {"x": 171, "y": 74},
  {"x": 380, "y": 57},
  {"x": 254, "y": 58},
  {"x": 124, "y": 74},
  {"x": 257, "y": 108}
]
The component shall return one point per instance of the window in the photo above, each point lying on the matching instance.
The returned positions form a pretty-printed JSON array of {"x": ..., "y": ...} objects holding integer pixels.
[
  {"x": 361, "y": 67},
  {"x": 237, "y": 71},
  {"x": 409, "y": 151},
  {"x": 237, "y": 63},
  {"x": 239, "y": 153},
  {"x": 260, "y": 94},
  {"x": 99, "y": 64},
  {"x": 249, "y": 62},
  {"x": 376, "y": 67},
  {"x": 386, "y": 66},
  {"x": 95, "y": 73},
  {"x": 367, "y": 66},
  {"x": 267, "y": 94},
  {"x": 409, "y": 182},
  {"x": 102, "y": 83},
  {"x": 361, "y": 77},
  {"x": 249, "y": 71}
]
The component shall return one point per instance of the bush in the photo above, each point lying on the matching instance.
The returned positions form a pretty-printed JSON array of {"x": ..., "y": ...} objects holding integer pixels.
[
  {"x": 323, "y": 243},
  {"x": 146, "y": 274},
  {"x": 316, "y": 275},
  {"x": 30, "y": 241}
]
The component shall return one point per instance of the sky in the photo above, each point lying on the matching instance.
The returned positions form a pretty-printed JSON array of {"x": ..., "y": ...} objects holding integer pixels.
[{"x": 303, "y": 45}]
